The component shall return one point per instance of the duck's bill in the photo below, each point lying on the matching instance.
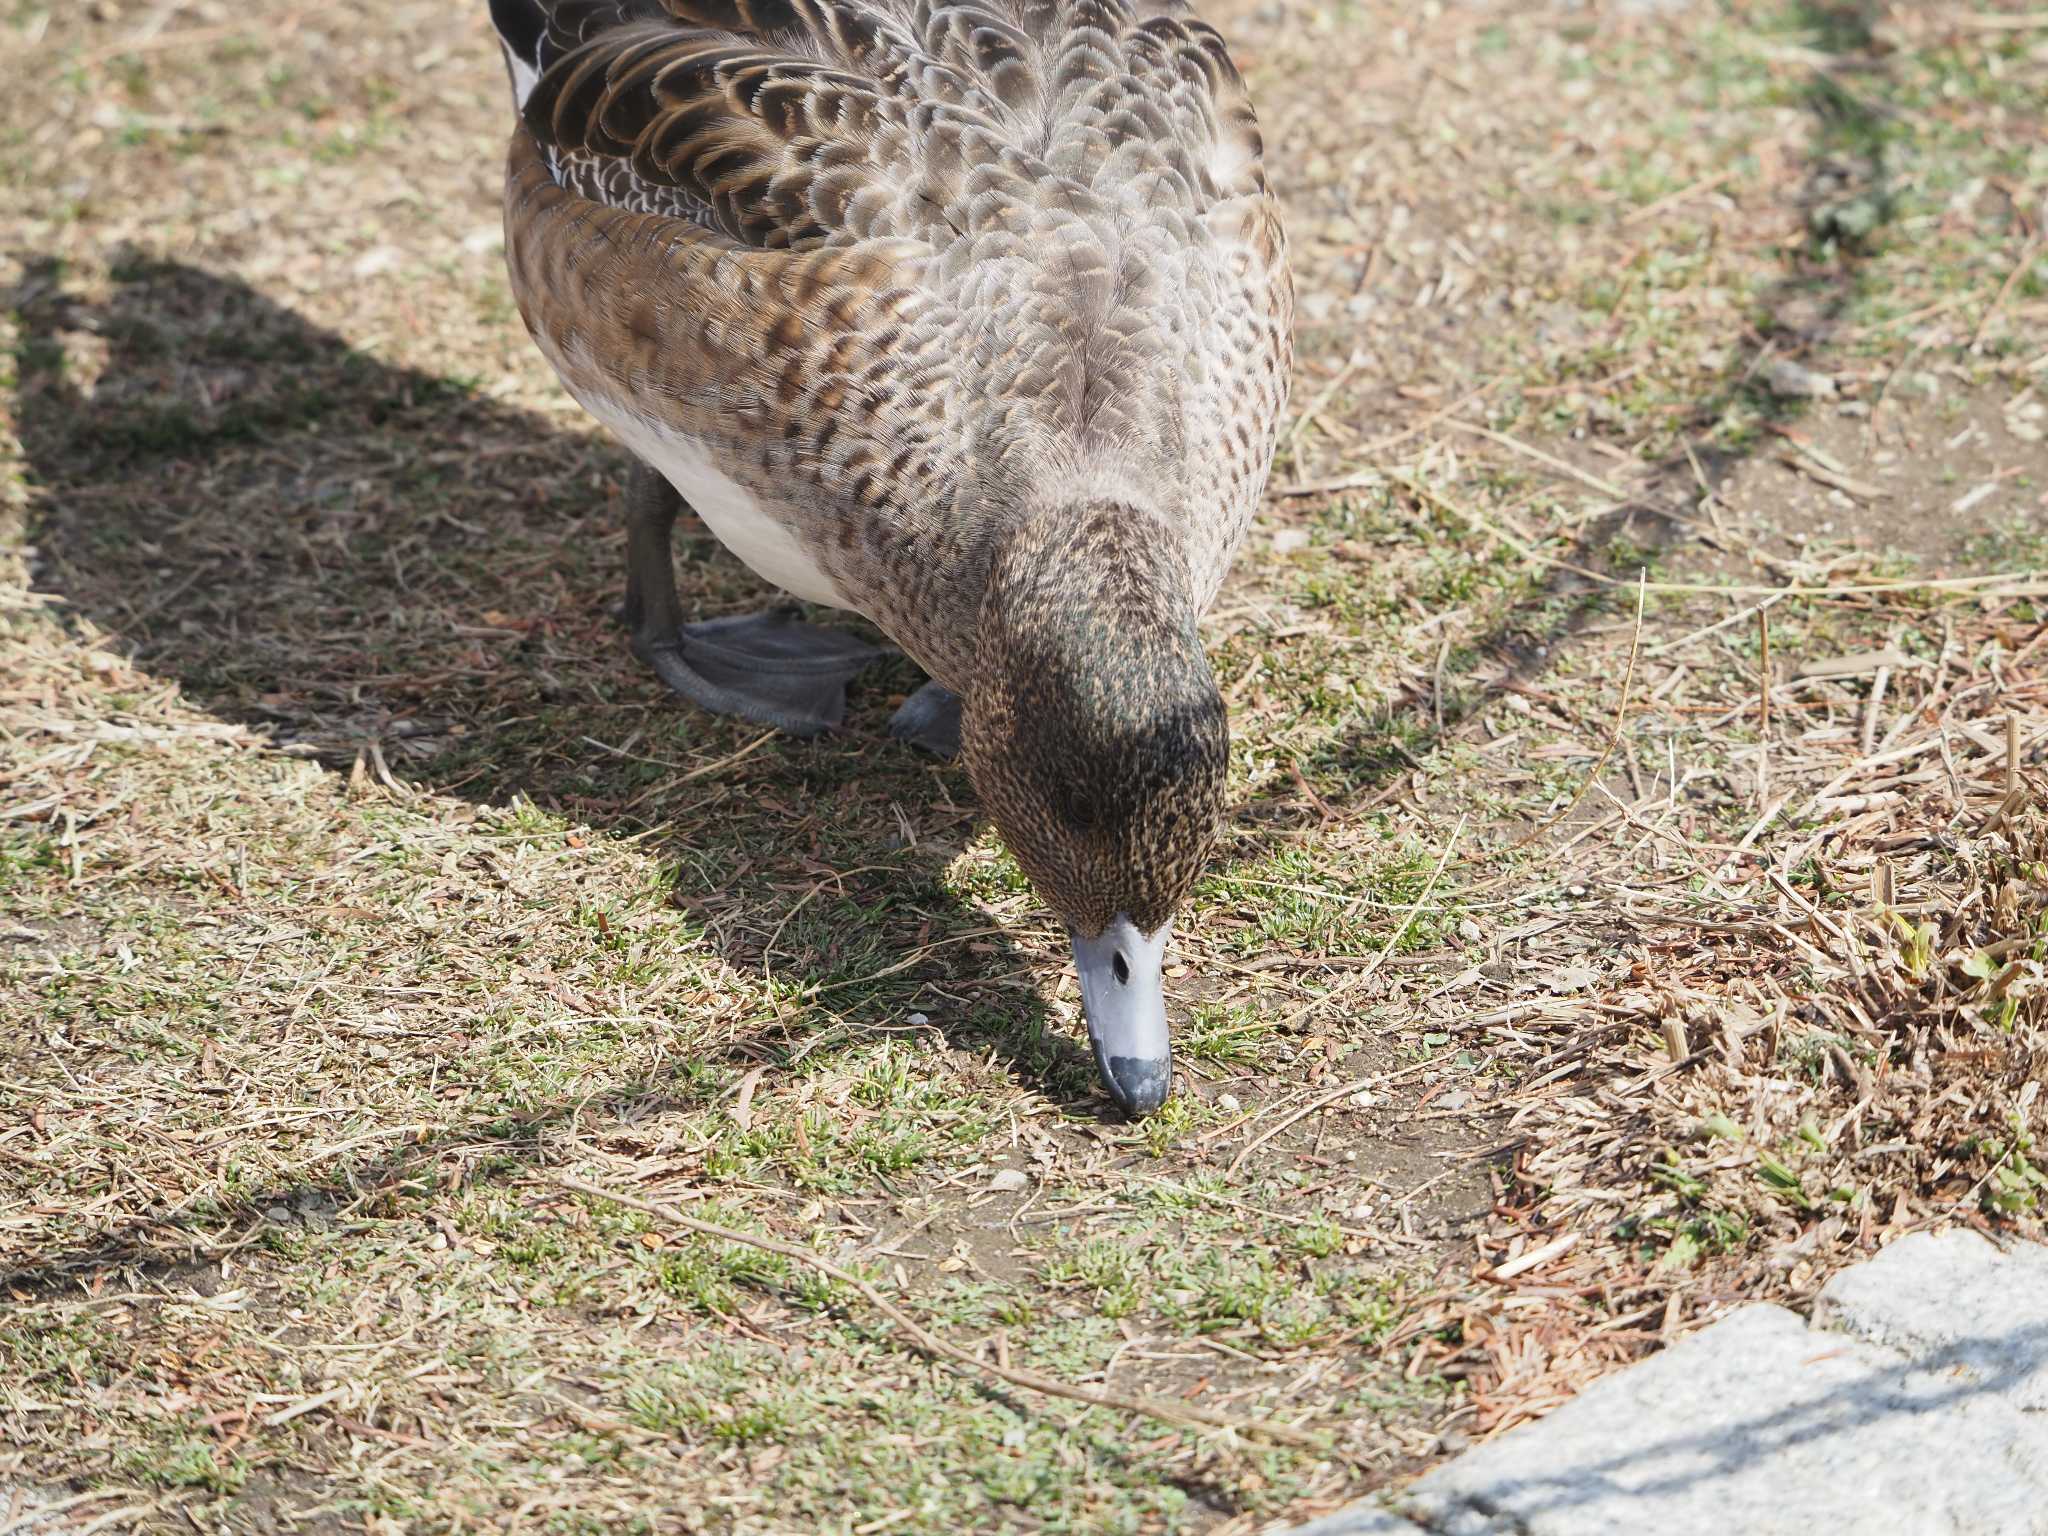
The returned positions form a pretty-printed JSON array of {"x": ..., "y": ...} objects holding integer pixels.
[{"x": 1123, "y": 994}]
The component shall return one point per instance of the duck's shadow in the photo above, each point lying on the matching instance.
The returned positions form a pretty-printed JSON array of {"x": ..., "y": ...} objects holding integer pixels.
[{"x": 368, "y": 563}]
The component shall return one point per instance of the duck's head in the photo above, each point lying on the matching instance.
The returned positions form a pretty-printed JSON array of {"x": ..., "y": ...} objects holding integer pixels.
[{"x": 1099, "y": 744}]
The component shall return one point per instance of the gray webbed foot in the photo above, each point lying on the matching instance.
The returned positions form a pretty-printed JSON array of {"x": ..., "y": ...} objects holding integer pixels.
[
  {"x": 929, "y": 718},
  {"x": 766, "y": 667}
]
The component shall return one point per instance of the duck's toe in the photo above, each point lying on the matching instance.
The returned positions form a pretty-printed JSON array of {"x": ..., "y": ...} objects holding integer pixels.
[
  {"x": 929, "y": 718},
  {"x": 767, "y": 667}
]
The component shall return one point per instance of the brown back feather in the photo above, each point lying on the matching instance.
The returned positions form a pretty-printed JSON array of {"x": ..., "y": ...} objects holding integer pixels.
[{"x": 1072, "y": 272}]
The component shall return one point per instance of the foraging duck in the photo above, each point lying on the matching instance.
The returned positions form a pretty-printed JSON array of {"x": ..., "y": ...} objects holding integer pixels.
[{"x": 969, "y": 316}]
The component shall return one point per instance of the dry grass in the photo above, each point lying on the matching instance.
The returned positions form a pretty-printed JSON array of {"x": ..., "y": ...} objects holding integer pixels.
[
  {"x": 1801, "y": 1043},
  {"x": 356, "y": 889}
]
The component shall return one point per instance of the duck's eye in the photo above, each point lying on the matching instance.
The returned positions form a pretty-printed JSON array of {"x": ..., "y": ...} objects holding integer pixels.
[{"x": 1122, "y": 968}]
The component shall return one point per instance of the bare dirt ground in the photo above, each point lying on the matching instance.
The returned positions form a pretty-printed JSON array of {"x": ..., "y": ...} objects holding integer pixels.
[{"x": 1633, "y": 904}]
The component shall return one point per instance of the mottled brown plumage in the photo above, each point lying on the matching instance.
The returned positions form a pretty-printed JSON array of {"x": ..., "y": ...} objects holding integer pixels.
[
  {"x": 972, "y": 317},
  {"x": 1093, "y": 729}
]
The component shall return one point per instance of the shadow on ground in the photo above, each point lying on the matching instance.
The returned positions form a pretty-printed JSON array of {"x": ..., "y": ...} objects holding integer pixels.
[
  {"x": 395, "y": 575},
  {"x": 1845, "y": 200}
]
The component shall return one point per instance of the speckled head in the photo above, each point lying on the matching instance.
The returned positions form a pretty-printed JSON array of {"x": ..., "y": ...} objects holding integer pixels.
[{"x": 1097, "y": 740}]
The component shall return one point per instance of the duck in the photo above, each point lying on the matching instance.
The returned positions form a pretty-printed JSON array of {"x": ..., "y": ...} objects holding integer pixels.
[{"x": 970, "y": 317}]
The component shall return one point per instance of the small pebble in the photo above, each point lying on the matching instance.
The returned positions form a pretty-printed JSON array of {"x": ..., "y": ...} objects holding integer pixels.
[
  {"x": 1227, "y": 1102},
  {"x": 1789, "y": 381}
]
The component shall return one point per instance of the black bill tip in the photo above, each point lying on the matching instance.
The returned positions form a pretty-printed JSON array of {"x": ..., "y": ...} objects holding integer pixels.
[{"x": 1139, "y": 1084}]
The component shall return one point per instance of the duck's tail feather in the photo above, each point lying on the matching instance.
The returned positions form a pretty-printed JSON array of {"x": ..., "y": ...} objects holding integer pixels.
[
  {"x": 535, "y": 33},
  {"x": 522, "y": 27}
]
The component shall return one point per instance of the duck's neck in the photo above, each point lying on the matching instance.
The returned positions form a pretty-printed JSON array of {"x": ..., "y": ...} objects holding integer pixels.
[
  {"x": 1098, "y": 593},
  {"x": 1093, "y": 729}
]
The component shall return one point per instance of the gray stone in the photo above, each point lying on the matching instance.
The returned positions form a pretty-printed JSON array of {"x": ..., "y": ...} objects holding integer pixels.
[
  {"x": 1759, "y": 1426},
  {"x": 1788, "y": 380},
  {"x": 1361, "y": 1519},
  {"x": 1954, "y": 1302},
  {"x": 1916, "y": 1405}
]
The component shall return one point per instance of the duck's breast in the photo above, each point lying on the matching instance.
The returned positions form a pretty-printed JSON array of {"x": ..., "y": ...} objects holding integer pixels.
[{"x": 745, "y": 522}]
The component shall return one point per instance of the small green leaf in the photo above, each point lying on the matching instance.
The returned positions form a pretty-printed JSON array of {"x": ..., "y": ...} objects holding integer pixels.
[
  {"x": 1782, "y": 1181},
  {"x": 1683, "y": 1253}
]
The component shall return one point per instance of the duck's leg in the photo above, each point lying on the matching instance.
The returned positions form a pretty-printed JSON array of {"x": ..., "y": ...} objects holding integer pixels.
[
  {"x": 929, "y": 718},
  {"x": 767, "y": 667},
  {"x": 651, "y": 608}
]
